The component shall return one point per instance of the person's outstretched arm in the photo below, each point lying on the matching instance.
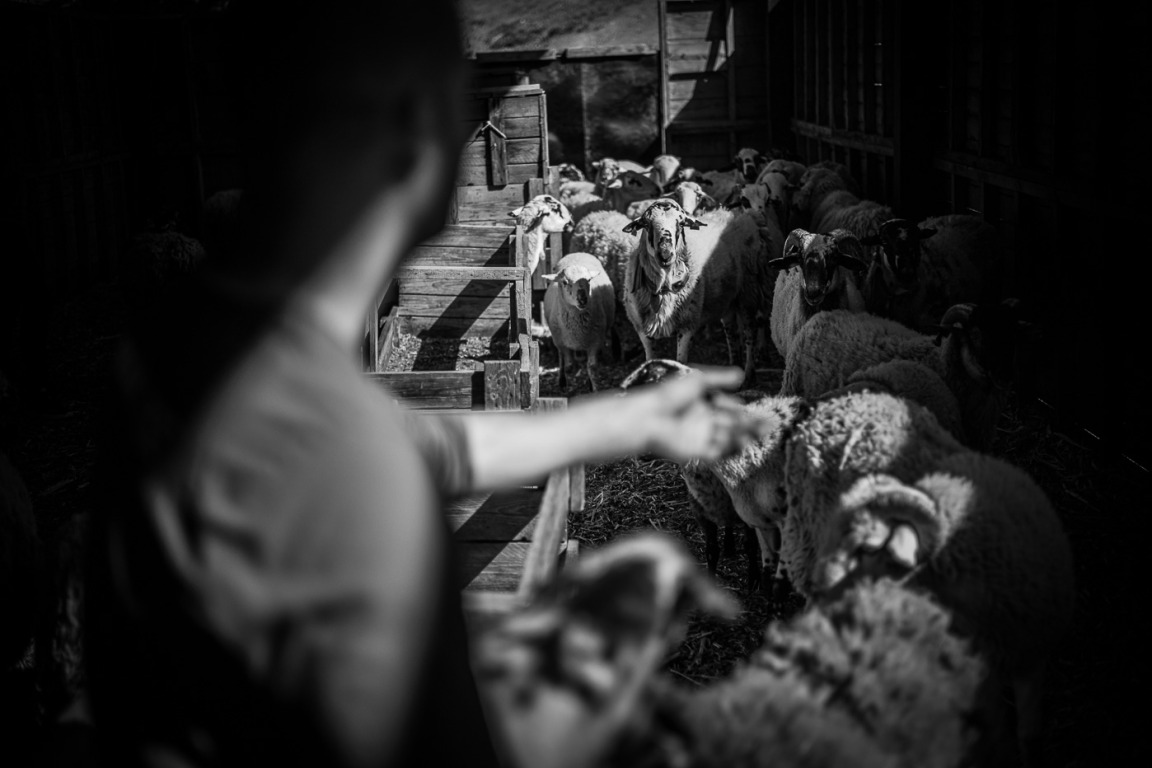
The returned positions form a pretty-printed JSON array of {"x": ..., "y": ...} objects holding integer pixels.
[{"x": 680, "y": 419}]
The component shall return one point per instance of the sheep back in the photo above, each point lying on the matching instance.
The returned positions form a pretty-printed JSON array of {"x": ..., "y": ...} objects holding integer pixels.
[{"x": 601, "y": 234}]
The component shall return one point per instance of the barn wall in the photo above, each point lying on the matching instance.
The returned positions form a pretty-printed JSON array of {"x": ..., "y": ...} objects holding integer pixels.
[{"x": 1019, "y": 111}]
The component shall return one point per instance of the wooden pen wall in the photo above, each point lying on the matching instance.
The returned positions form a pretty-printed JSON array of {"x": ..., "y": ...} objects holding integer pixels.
[{"x": 1028, "y": 113}]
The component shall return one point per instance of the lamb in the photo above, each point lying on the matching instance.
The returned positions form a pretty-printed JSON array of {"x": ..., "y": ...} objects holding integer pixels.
[
  {"x": 709, "y": 501},
  {"x": 875, "y": 678},
  {"x": 823, "y": 281},
  {"x": 974, "y": 358},
  {"x": 876, "y": 486},
  {"x": 538, "y": 218},
  {"x": 678, "y": 277},
  {"x": 922, "y": 269},
  {"x": 580, "y": 310}
]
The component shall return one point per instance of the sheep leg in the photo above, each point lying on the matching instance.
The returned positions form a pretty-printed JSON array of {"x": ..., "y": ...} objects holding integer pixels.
[
  {"x": 726, "y": 324},
  {"x": 564, "y": 356},
  {"x": 592, "y": 365},
  {"x": 748, "y": 333},
  {"x": 770, "y": 577},
  {"x": 711, "y": 536},
  {"x": 649, "y": 354},
  {"x": 683, "y": 344}
]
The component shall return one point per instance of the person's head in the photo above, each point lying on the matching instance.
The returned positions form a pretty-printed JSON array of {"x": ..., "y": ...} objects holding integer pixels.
[{"x": 341, "y": 102}]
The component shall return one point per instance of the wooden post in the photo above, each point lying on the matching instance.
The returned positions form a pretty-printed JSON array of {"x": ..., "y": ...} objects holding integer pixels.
[
  {"x": 497, "y": 149},
  {"x": 501, "y": 385},
  {"x": 551, "y": 532}
]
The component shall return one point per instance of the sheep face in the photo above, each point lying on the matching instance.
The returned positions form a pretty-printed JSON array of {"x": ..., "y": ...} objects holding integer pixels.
[
  {"x": 755, "y": 197},
  {"x": 664, "y": 168},
  {"x": 606, "y": 169},
  {"x": 819, "y": 258},
  {"x": 900, "y": 249},
  {"x": 689, "y": 194},
  {"x": 664, "y": 223},
  {"x": 574, "y": 282},
  {"x": 545, "y": 212},
  {"x": 749, "y": 162}
]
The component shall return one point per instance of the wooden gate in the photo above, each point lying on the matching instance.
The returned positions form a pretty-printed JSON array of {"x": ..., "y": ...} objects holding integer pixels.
[{"x": 714, "y": 79}]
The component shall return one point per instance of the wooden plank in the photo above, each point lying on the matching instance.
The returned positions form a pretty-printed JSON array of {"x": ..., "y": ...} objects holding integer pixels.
[
  {"x": 495, "y": 307},
  {"x": 703, "y": 21},
  {"x": 497, "y": 143},
  {"x": 477, "y": 175},
  {"x": 665, "y": 69},
  {"x": 388, "y": 338},
  {"x": 484, "y": 566},
  {"x": 517, "y": 152},
  {"x": 446, "y": 326},
  {"x": 501, "y": 385},
  {"x": 471, "y": 236},
  {"x": 456, "y": 257},
  {"x": 458, "y": 281},
  {"x": 517, "y": 104},
  {"x": 523, "y": 128},
  {"x": 712, "y": 85},
  {"x": 430, "y": 389},
  {"x": 576, "y": 488},
  {"x": 608, "y": 52},
  {"x": 541, "y": 560},
  {"x": 507, "y": 515},
  {"x": 544, "y": 160}
]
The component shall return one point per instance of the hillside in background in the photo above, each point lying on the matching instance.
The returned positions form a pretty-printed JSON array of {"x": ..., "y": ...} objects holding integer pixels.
[{"x": 494, "y": 25}]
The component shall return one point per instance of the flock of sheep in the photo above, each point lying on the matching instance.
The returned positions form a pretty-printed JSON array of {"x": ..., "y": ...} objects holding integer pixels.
[{"x": 938, "y": 577}]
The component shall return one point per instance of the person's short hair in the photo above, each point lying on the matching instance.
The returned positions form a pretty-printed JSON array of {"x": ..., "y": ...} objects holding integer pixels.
[{"x": 328, "y": 91}]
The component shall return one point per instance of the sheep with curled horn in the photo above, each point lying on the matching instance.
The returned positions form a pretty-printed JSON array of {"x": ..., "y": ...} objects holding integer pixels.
[
  {"x": 683, "y": 273},
  {"x": 824, "y": 281}
]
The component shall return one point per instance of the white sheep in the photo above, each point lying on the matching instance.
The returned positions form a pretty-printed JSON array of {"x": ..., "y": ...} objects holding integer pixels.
[
  {"x": 691, "y": 196},
  {"x": 601, "y": 233},
  {"x": 569, "y": 172},
  {"x": 974, "y": 358},
  {"x": 664, "y": 168},
  {"x": 793, "y": 171},
  {"x": 877, "y": 487},
  {"x": 823, "y": 280},
  {"x": 539, "y": 217},
  {"x": 573, "y": 193},
  {"x": 679, "y": 277},
  {"x": 875, "y": 678},
  {"x": 580, "y": 310},
  {"x": 920, "y": 270}
]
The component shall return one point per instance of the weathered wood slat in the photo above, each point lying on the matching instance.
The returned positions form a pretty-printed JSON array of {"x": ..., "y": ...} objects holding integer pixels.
[
  {"x": 485, "y": 566},
  {"x": 498, "y": 143},
  {"x": 446, "y": 326},
  {"x": 501, "y": 385},
  {"x": 503, "y": 516},
  {"x": 497, "y": 306},
  {"x": 430, "y": 389},
  {"x": 449, "y": 256},
  {"x": 524, "y": 105},
  {"x": 388, "y": 337},
  {"x": 519, "y": 151},
  {"x": 462, "y": 281},
  {"x": 471, "y": 236},
  {"x": 477, "y": 175}
]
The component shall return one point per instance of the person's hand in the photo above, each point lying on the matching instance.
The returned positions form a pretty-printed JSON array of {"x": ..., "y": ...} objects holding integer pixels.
[{"x": 684, "y": 414}]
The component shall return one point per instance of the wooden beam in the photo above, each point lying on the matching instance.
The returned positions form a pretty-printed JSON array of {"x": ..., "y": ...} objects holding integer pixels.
[
  {"x": 879, "y": 145},
  {"x": 430, "y": 389}
]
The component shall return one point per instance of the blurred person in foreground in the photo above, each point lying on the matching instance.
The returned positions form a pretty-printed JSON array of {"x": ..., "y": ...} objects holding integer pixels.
[{"x": 271, "y": 571}]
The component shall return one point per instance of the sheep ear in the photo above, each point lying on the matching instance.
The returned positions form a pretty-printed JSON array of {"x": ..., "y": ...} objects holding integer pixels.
[
  {"x": 794, "y": 244},
  {"x": 926, "y": 233},
  {"x": 549, "y": 278},
  {"x": 633, "y": 226},
  {"x": 516, "y": 212},
  {"x": 694, "y": 223},
  {"x": 849, "y": 251},
  {"x": 784, "y": 261}
]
